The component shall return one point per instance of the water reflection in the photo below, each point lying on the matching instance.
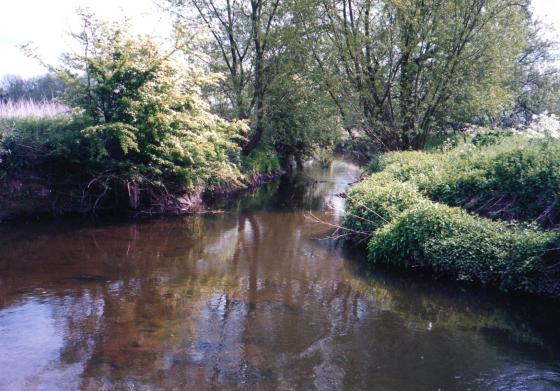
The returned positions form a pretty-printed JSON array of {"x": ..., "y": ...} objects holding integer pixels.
[{"x": 250, "y": 299}]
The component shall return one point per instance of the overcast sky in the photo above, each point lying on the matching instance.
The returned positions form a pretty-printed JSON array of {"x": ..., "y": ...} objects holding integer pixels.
[{"x": 46, "y": 24}]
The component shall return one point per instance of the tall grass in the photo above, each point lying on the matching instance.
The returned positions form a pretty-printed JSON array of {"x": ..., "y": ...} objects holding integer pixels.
[{"x": 31, "y": 109}]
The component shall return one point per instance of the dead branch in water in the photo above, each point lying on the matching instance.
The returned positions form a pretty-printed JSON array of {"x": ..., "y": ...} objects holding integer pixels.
[{"x": 339, "y": 230}]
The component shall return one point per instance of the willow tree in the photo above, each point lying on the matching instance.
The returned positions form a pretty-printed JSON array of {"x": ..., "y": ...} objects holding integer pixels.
[{"x": 400, "y": 68}]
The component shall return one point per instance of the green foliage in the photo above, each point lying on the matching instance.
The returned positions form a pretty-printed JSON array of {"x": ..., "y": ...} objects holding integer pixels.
[
  {"x": 516, "y": 178},
  {"x": 504, "y": 176},
  {"x": 374, "y": 164},
  {"x": 444, "y": 140},
  {"x": 400, "y": 70},
  {"x": 27, "y": 141},
  {"x": 147, "y": 112},
  {"x": 113, "y": 141},
  {"x": 490, "y": 138},
  {"x": 451, "y": 242},
  {"x": 262, "y": 160},
  {"x": 143, "y": 131},
  {"x": 378, "y": 200},
  {"x": 298, "y": 123}
]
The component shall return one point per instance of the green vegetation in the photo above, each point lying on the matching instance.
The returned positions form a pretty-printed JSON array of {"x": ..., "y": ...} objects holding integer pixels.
[
  {"x": 245, "y": 89},
  {"x": 412, "y": 211},
  {"x": 140, "y": 132},
  {"x": 515, "y": 178},
  {"x": 390, "y": 73},
  {"x": 400, "y": 71}
]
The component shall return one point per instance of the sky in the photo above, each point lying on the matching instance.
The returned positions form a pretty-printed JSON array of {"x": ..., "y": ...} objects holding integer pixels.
[{"x": 46, "y": 24}]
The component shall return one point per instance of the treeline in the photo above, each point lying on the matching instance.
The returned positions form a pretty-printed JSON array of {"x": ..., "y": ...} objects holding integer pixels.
[
  {"x": 41, "y": 88},
  {"x": 247, "y": 87},
  {"x": 389, "y": 72}
]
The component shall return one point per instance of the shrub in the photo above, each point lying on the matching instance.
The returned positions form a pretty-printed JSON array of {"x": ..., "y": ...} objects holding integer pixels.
[
  {"x": 262, "y": 160},
  {"x": 450, "y": 242},
  {"x": 517, "y": 178},
  {"x": 143, "y": 123},
  {"x": 398, "y": 208},
  {"x": 406, "y": 166},
  {"x": 378, "y": 200},
  {"x": 490, "y": 138},
  {"x": 32, "y": 141}
]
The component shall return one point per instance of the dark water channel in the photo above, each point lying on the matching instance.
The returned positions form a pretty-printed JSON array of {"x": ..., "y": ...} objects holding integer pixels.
[{"x": 254, "y": 298}]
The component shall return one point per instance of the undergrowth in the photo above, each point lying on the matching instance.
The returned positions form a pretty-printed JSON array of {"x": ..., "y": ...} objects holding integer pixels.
[{"x": 478, "y": 212}]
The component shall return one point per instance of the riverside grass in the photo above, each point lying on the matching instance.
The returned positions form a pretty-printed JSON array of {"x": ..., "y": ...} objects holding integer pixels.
[{"x": 484, "y": 214}]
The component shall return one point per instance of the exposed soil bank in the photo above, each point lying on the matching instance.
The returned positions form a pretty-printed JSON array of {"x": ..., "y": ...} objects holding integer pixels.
[{"x": 37, "y": 198}]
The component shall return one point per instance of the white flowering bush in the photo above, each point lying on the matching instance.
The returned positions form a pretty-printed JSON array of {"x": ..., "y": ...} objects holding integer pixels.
[{"x": 544, "y": 125}]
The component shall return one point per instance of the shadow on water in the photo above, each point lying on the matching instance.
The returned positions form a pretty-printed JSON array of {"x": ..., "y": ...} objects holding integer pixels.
[{"x": 254, "y": 298}]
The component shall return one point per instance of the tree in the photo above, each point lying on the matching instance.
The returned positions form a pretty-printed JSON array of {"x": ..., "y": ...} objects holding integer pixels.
[
  {"x": 400, "y": 68},
  {"x": 41, "y": 88},
  {"x": 241, "y": 32},
  {"x": 537, "y": 80},
  {"x": 300, "y": 117}
]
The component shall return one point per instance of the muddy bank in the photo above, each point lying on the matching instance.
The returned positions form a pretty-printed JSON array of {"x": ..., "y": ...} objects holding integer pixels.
[{"x": 36, "y": 198}]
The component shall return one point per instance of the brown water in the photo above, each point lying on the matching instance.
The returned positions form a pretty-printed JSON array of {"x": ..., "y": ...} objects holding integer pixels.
[{"x": 254, "y": 298}]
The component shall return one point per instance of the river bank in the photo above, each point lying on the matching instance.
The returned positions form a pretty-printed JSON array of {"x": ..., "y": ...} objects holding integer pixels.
[
  {"x": 481, "y": 214},
  {"x": 34, "y": 198}
]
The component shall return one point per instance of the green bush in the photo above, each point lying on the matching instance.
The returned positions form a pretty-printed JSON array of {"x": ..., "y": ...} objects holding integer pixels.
[
  {"x": 143, "y": 126},
  {"x": 444, "y": 140},
  {"x": 518, "y": 178},
  {"x": 450, "y": 242},
  {"x": 262, "y": 160},
  {"x": 515, "y": 179},
  {"x": 490, "y": 138},
  {"x": 24, "y": 141},
  {"x": 378, "y": 200}
]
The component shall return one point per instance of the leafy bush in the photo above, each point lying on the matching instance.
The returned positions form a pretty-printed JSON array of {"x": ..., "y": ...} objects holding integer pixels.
[
  {"x": 444, "y": 140},
  {"x": 138, "y": 131},
  {"x": 25, "y": 142},
  {"x": 451, "y": 242},
  {"x": 397, "y": 207},
  {"x": 262, "y": 160},
  {"x": 517, "y": 178},
  {"x": 378, "y": 200},
  {"x": 490, "y": 138}
]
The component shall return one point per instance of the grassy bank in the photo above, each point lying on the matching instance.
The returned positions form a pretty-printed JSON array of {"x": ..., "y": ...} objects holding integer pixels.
[{"x": 482, "y": 212}]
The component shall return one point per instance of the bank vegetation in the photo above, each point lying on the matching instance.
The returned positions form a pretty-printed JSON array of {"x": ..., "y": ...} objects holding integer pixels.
[{"x": 246, "y": 89}]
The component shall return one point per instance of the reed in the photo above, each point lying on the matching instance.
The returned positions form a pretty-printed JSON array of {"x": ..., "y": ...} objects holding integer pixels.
[{"x": 28, "y": 108}]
